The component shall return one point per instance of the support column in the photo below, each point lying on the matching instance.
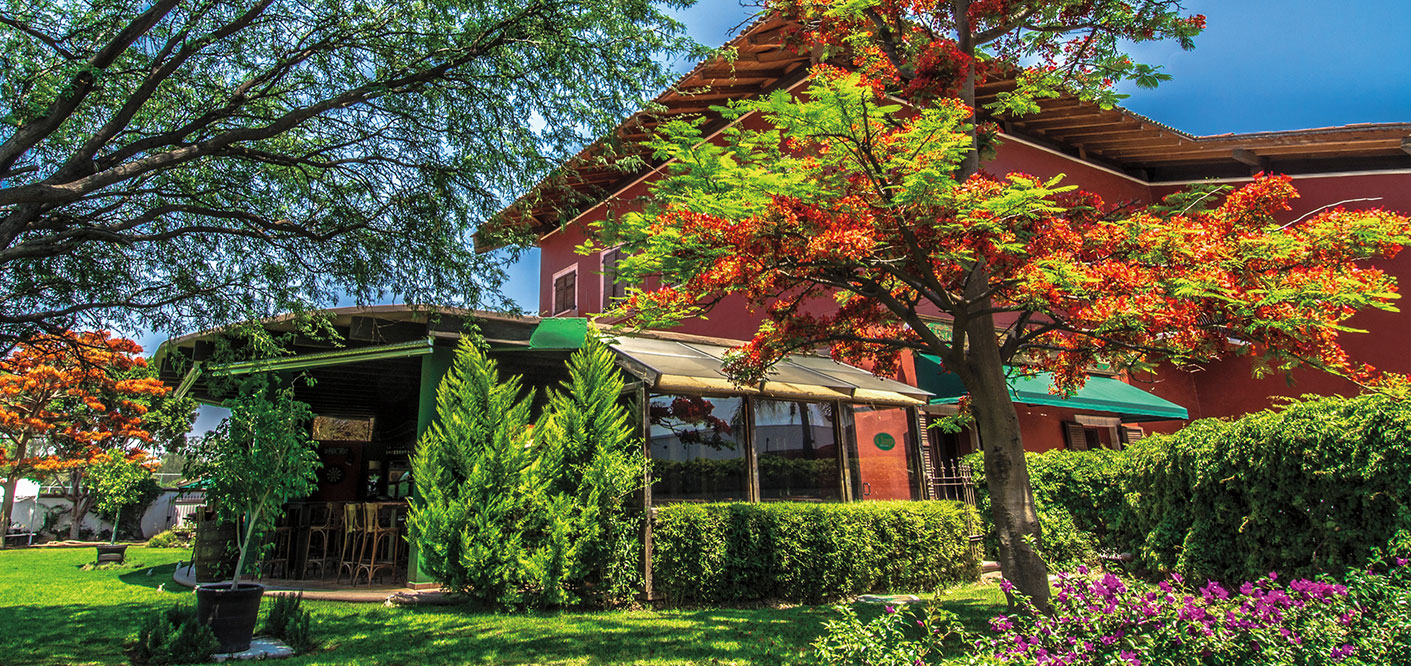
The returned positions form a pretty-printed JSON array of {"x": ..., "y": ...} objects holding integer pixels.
[{"x": 433, "y": 368}]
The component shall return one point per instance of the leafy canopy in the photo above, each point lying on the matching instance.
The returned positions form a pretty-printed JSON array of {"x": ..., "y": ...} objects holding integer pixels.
[
  {"x": 183, "y": 163},
  {"x": 927, "y": 49},
  {"x": 78, "y": 393},
  {"x": 120, "y": 483}
]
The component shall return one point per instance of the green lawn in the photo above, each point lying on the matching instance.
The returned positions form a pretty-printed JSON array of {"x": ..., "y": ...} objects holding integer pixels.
[{"x": 54, "y": 613}]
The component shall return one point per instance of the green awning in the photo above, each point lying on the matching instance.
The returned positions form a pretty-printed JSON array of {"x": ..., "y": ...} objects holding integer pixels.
[
  {"x": 559, "y": 333},
  {"x": 1100, "y": 394},
  {"x": 419, "y": 347}
]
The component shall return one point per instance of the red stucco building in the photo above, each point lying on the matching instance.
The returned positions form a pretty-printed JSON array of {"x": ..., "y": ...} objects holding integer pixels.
[{"x": 1120, "y": 155}]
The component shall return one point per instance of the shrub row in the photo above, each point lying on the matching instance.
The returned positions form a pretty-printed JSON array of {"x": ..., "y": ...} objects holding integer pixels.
[
  {"x": 809, "y": 553},
  {"x": 1314, "y": 486}
]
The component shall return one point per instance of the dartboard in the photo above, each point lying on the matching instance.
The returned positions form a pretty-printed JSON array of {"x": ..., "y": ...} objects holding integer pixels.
[{"x": 333, "y": 474}]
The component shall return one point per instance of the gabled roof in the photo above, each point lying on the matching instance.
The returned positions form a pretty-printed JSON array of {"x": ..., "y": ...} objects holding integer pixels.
[{"x": 1116, "y": 138}]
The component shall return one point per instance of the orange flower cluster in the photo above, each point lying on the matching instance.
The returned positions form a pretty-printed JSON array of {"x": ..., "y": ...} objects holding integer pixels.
[{"x": 69, "y": 392}]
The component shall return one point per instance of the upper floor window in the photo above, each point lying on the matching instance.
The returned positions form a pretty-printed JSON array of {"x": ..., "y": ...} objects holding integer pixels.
[
  {"x": 566, "y": 290},
  {"x": 613, "y": 289}
]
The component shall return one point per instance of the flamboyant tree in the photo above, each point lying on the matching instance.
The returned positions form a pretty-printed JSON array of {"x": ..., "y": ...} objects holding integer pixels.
[
  {"x": 166, "y": 420},
  {"x": 856, "y": 222},
  {"x": 76, "y": 389}
]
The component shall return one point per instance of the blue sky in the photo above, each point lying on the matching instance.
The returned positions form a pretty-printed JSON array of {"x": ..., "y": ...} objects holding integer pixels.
[{"x": 1260, "y": 65}]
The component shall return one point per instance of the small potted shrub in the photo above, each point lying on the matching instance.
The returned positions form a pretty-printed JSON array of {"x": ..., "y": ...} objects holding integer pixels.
[
  {"x": 119, "y": 482},
  {"x": 258, "y": 458}
]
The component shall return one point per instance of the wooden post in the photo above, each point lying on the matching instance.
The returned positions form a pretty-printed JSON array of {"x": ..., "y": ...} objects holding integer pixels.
[
  {"x": 751, "y": 468},
  {"x": 644, "y": 422}
]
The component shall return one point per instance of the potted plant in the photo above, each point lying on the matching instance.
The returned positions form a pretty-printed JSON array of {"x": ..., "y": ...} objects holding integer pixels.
[
  {"x": 258, "y": 458},
  {"x": 118, "y": 482}
]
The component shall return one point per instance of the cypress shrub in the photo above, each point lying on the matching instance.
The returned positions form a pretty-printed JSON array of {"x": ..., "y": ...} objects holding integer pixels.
[
  {"x": 473, "y": 519},
  {"x": 514, "y": 515},
  {"x": 809, "y": 553}
]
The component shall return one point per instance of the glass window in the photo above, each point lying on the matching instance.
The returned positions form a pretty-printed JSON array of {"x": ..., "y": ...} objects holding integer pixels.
[
  {"x": 796, "y": 451},
  {"x": 697, "y": 449},
  {"x": 880, "y": 455}
]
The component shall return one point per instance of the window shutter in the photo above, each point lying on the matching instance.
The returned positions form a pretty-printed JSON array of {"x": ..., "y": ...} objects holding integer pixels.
[
  {"x": 1131, "y": 434},
  {"x": 1075, "y": 437},
  {"x": 565, "y": 292}
]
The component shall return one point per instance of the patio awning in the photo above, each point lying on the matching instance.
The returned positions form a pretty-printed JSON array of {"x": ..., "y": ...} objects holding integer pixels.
[
  {"x": 1099, "y": 394},
  {"x": 320, "y": 359},
  {"x": 694, "y": 367}
]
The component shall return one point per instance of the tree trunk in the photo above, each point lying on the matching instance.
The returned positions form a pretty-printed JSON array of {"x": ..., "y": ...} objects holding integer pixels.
[
  {"x": 1011, "y": 498},
  {"x": 117, "y": 520},
  {"x": 965, "y": 42},
  {"x": 80, "y": 505},
  {"x": 251, "y": 519},
  {"x": 8, "y": 506}
]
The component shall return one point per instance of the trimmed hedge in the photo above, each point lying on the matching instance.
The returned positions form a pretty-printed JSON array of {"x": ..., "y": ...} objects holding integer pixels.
[
  {"x": 808, "y": 553},
  {"x": 1312, "y": 487}
]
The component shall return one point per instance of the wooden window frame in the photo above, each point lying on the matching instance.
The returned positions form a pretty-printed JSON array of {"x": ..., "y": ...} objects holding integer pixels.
[{"x": 610, "y": 284}]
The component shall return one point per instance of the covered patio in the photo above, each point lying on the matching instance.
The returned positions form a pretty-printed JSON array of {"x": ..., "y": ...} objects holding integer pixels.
[{"x": 817, "y": 431}]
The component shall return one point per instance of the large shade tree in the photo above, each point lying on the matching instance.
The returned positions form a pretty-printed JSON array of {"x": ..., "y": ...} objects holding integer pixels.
[
  {"x": 176, "y": 163},
  {"x": 64, "y": 399},
  {"x": 861, "y": 223}
]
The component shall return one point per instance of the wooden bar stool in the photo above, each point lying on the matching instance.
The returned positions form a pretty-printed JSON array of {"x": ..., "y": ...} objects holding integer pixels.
[
  {"x": 325, "y": 525},
  {"x": 351, "y": 549},
  {"x": 380, "y": 540},
  {"x": 283, "y": 540}
]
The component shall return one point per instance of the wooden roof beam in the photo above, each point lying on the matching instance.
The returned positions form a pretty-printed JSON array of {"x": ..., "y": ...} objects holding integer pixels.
[
  {"x": 1056, "y": 122},
  {"x": 1256, "y": 163},
  {"x": 1099, "y": 133},
  {"x": 1406, "y": 144}
]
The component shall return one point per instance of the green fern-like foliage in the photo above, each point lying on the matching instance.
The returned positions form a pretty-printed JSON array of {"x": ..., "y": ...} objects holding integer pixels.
[
  {"x": 290, "y": 622},
  {"x": 172, "y": 636}
]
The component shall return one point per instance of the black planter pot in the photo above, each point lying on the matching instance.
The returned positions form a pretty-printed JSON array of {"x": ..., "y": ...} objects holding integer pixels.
[
  {"x": 113, "y": 554},
  {"x": 230, "y": 613}
]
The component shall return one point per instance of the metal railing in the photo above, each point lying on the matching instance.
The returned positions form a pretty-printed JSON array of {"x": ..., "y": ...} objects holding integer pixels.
[{"x": 952, "y": 480}]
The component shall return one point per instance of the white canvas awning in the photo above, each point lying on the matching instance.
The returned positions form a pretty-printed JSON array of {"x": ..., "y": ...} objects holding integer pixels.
[{"x": 672, "y": 366}]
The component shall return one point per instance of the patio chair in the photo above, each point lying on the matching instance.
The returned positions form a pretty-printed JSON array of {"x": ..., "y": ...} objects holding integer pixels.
[
  {"x": 325, "y": 528},
  {"x": 381, "y": 540},
  {"x": 283, "y": 538},
  {"x": 352, "y": 543}
]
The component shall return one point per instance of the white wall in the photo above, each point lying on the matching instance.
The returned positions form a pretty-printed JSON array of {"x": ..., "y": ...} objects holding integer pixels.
[{"x": 159, "y": 516}]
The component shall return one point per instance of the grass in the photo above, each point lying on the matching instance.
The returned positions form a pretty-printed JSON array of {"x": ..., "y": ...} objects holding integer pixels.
[{"x": 57, "y": 613}]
